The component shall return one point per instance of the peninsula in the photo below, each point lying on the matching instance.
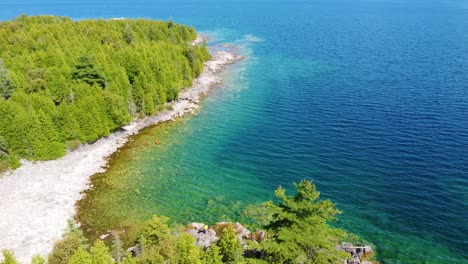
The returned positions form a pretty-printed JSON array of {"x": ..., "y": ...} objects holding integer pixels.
[{"x": 87, "y": 88}]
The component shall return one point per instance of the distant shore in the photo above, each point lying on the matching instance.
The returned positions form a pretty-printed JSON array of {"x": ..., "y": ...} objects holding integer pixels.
[{"x": 38, "y": 198}]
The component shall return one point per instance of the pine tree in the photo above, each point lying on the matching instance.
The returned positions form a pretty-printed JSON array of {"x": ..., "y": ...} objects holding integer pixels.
[
  {"x": 155, "y": 231},
  {"x": 87, "y": 71},
  {"x": 6, "y": 84},
  {"x": 118, "y": 253},
  {"x": 100, "y": 253},
  {"x": 81, "y": 256},
  {"x": 229, "y": 245},
  {"x": 299, "y": 229},
  {"x": 189, "y": 253},
  {"x": 8, "y": 257},
  {"x": 212, "y": 255}
]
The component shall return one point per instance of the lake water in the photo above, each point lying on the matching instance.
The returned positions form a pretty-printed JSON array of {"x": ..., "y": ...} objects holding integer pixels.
[{"x": 367, "y": 98}]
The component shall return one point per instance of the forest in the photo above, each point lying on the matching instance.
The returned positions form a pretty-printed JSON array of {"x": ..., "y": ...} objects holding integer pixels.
[{"x": 66, "y": 82}]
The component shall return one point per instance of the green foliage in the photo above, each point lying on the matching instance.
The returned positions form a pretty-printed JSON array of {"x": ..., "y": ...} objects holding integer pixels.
[
  {"x": 6, "y": 84},
  {"x": 73, "y": 144},
  {"x": 129, "y": 259},
  {"x": 212, "y": 255},
  {"x": 87, "y": 71},
  {"x": 45, "y": 139},
  {"x": 3, "y": 145},
  {"x": 256, "y": 216},
  {"x": 100, "y": 253},
  {"x": 8, "y": 257},
  {"x": 299, "y": 230},
  {"x": 155, "y": 231},
  {"x": 37, "y": 260},
  {"x": 161, "y": 246},
  {"x": 73, "y": 230},
  {"x": 163, "y": 252},
  {"x": 255, "y": 261},
  {"x": 229, "y": 245},
  {"x": 189, "y": 253},
  {"x": 118, "y": 252},
  {"x": 129, "y": 35},
  {"x": 81, "y": 256},
  {"x": 64, "y": 80},
  {"x": 13, "y": 162},
  {"x": 64, "y": 249}
]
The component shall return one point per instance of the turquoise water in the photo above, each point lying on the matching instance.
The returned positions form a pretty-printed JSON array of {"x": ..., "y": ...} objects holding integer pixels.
[{"x": 368, "y": 98}]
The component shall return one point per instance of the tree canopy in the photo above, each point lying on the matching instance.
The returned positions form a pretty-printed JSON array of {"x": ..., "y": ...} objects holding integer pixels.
[
  {"x": 299, "y": 229},
  {"x": 65, "y": 81}
]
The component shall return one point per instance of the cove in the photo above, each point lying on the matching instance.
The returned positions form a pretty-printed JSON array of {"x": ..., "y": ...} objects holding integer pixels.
[{"x": 172, "y": 169}]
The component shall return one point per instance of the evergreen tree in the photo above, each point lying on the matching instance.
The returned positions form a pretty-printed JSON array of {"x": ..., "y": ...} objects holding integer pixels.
[
  {"x": 81, "y": 256},
  {"x": 229, "y": 245},
  {"x": 212, "y": 255},
  {"x": 129, "y": 35},
  {"x": 129, "y": 259},
  {"x": 45, "y": 139},
  {"x": 64, "y": 249},
  {"x": 87, "y": 71},
  {"x": 8, "y": 257},
  {"x": 100, "y": 253},
  {"x": 189, "y": 253},
  {"x": 116, "y": 110},
  {"x": 118, "y": 253},
  {"x": 73, "y": 230},
  {"x": 3, "y": 145},
  {"x": 37, "y": 260},
  {"x": 66, "y": 122},
  {"x": 299, "y": 229},
  {"x": 6, "y": 84},
  {"x": 155, "y": 231},
  {"x": 14, "y": 125},
  {"x": 165, "y": 251}
]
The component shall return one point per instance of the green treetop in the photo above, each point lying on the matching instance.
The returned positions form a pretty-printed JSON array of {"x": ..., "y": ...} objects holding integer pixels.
[{"x": 299, "y": 229}]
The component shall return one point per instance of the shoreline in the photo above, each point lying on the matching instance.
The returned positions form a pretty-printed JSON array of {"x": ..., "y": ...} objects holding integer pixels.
[{"x": 38, "y": 198}]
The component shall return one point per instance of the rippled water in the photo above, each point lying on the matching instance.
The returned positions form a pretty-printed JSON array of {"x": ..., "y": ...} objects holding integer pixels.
[{"x": 368, "y": 98}]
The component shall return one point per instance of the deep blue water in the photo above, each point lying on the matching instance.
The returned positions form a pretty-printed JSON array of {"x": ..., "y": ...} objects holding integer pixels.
[{"x": 368, "y": 98}]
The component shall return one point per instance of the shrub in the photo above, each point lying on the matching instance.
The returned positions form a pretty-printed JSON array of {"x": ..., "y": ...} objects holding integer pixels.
[
  {"x": 64, "y": 249},
  {"x": 73, "y": 144}
]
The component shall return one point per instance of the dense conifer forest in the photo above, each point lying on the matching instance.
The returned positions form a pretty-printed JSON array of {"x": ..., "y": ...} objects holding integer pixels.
[{"x": 65, "y": 82}]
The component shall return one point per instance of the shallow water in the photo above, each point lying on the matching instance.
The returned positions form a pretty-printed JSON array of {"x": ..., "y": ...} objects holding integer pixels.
[{"x": 368, "y": 98}]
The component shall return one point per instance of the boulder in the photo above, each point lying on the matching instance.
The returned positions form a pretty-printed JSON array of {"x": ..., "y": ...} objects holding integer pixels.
[{"x": 203, "y": 239}]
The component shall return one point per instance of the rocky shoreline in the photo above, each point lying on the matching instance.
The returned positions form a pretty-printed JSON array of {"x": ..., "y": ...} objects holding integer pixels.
[{"x": 38, "y": 198}]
